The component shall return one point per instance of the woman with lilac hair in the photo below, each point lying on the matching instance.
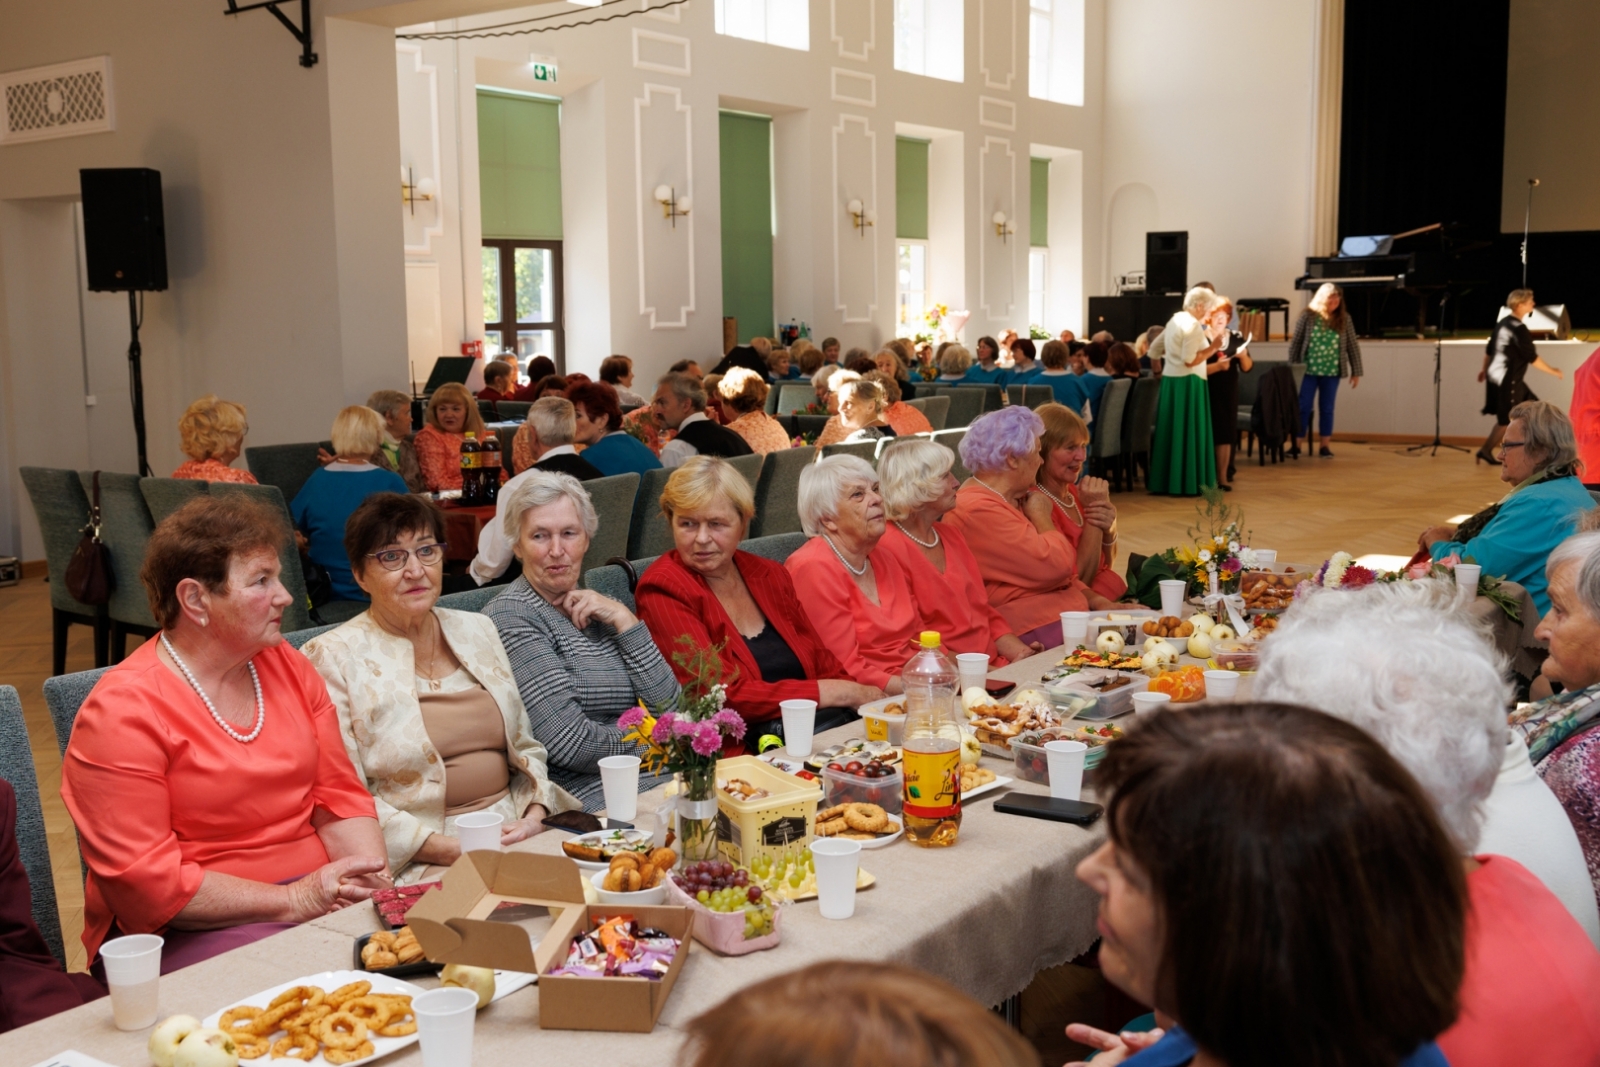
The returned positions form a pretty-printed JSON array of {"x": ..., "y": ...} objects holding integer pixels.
[{"x": 1029, "y": 567}]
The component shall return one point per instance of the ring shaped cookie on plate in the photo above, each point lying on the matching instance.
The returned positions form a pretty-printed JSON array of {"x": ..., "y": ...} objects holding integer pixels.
[
  {"x": 867, "y": 818},
  {"x": 340, "y": 1056},
  {"x": 295, "y": 1047}
]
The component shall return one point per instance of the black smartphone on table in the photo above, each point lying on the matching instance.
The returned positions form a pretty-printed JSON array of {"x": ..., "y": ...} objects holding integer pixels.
[
  {"x": 1035, "y": 806},
  {"x": 581, "y": 822}
]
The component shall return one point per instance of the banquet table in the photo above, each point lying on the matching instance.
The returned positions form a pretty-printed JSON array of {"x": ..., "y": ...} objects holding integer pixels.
[{"x": 985, "y": 914}]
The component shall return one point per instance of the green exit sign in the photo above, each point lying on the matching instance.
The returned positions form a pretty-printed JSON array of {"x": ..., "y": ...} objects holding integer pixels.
[{"x": 543, "y": 68}]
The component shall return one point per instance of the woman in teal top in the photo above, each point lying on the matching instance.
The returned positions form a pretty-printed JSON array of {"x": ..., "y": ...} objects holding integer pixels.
[
  {"x": 608, "y": 448},
  {"x": 324, "y": 504},
  {"x": 1325, "y": 341},
  {"x": 1514, "y": 538},
  {"x": 986, "y": 371}
]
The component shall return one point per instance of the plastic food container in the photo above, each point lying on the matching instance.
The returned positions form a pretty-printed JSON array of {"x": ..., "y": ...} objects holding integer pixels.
[
  {"x": 885, "y": 720},
  {"x": 1110, "y": 703},
  {"x": 1030, "y": 762},
  {"x": 842, "y": 787},
  {"x": 1127, "y": 623},
  {"x": 1235, "y": 655},
  {"x": 781, "y": 820},
  {"x": 723, "y": 931}
]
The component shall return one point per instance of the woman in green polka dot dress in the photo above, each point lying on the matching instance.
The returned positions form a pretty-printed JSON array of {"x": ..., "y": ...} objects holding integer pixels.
[{"x": 1325, "y": 341}]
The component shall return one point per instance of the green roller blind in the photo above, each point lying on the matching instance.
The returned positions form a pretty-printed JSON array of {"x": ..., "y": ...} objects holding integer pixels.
[
  {"x": 1039, "y": 203},
  {"x": 519, "y": 166},
  {"x": 746, "y": 156},
  {"x": 911, "y": 188}
]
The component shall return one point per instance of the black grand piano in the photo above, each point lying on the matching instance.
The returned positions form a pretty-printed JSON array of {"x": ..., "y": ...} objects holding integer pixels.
[{"x": 1370, "y": 269}]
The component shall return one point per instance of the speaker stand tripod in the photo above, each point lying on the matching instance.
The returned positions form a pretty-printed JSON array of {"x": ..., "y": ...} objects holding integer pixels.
[
  {"x": 1432, "y": 447},
  {"x": 136, "y": 377}
]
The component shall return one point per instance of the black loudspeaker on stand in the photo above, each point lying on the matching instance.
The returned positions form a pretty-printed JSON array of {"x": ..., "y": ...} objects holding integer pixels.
[
  {"x": 1432, "y": 447},
  {"x": 125, "y": 245}
]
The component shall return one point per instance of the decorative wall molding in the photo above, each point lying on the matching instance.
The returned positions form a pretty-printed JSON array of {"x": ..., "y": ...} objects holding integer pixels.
[
  {"x": 997, "y": 114},
  {"x": 661, "y": 52},
  {"x": 854, "y": 87},
  {"x": 419, "y": 148},
  {"x": 855, "y": 35},
  {"x": 61, "y": 100},
  {"x": 997, "y": 43},
  {"x": 663, "y": 153},
  {"x": 997, "y": 185},
  {"x": 855, "y": 257},
  {"x": 670, "y": 14}
]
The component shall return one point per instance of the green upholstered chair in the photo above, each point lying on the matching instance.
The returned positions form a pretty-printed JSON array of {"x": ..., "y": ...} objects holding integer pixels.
[
  {"x": 613, "y": 504},
  {"x": 937, "y": 409},
  {"x": 125, "y": 527},
  {"x": 1105, "y": 440},
  {"x": 62, "y": 507},
  {"x": 16, "y": 767},
  {"x": 471, "y": 599},
  {"x": 966, "y": 404},
  {"x": 163, "y": 496},
  {"x": 648, "y": 534},
  {"x": 297, "y": 616},
  {"x": 777, "y": 547},
  {"x": 867, "y": 450},
  {"x": 793, "y": 397},
  {"x": 778, "y": 492},
  {"x": 285, "y": 466},
  {"x": 952, "y": 439},
  {"x": 612, "y": 581}
]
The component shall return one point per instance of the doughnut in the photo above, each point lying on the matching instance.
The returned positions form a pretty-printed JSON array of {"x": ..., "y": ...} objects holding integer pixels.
[
  {"x": 250, "y": 1046},
  {"x": 270, "y": 1021},
  {"x": 867, "y": 818},
  {"x": 354, "y": 989},
  {"x": 342, "y": 1030},
  {"x": 246, "y": 1014},
  {"x": 381, "y": 1010},
  {"x": 402, "y": 1028},
  {"x": 360, "y": 1052},
  {"x": 305, "y": 996},
  {"x": 295, "y": 1047},
  {"x": 306, "y": 1019}
]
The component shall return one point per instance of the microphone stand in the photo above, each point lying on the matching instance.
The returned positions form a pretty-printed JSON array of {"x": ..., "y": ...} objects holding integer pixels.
[
  {"x": 1527, "y": 220},
  {"x": 1432, "y": 447}
]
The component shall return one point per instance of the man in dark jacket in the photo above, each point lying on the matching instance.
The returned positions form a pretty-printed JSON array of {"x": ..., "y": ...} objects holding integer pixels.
[{"x": 680, "y": 403}]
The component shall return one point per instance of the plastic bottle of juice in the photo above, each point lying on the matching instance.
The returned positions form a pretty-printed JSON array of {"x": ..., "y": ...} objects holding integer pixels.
[
  {"x": 470, "y": 462},
  {"x": 932, "y": 747}
]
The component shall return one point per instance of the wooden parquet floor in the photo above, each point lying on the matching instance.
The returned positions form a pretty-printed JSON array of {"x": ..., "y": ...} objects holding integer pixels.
[{"x": 1367, "y": 499}]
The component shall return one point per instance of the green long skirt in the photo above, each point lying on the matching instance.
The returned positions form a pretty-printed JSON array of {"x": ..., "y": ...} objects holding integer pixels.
[{"x": 1183, "y": 459}]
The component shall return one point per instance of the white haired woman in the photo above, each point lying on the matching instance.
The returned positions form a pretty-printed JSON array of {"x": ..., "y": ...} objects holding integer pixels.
[
  {"x": 428, "y": 708},
  {"x": 1183, "y": 459},
  {"x": 834, "y": 431},
  {"x": 856, "y": 597},
  {"x": 1324, "y": 339},
  {"x": 1513, "y": 538},
  {"x": 941, "y": 571},
  {"x": 333, "y": 492},
  {"x": 1440, "y": 710},
  {"x": 580, "y": 659},
  {"x": 862, "y": 405},
  {"x": 1561, "y": 730},
  {"x": 954, "y": 362}
]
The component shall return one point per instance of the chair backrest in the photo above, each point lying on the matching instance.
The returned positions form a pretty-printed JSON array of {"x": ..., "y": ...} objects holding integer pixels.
[
  {"x": 807, "y": 424},
  {"x": 966, "y": 404},
  {"x": 285, "y": 466},
  {"x": 920, "y": 403},
  {"x": 297, "y": 616},
  {"x": 749, "y": 466},
  {"x": 1107, "y": 436},
  {"x": 793, "y": 397},
  {"x": 778, "y": 492},
  {"x": 1140, "y": 421},
  {"x": 648, "y": 534},
  {"x": 1033, "y": 396},
  {"x": 952, "y": 439},
  {"x": 613, "y": 503},
  {"x": 513, "y": 410},
  {"x": 298, "y": 638},
  {"x": 125, "y": 527},
  {"x": 163, "y": 496},
  {"x": 1250, "y": 381},
  {"x": 471, "y": 599},
  {"x": 62, "y": 506},
  {"x": 16, "y": 767},
  {"x": 777, "y": 547},
  {"x": 867, "y": 450},
  {"x": 937, "y": 408},
  {"x": 994, "y": 397},
  {"x": 64, "y": 695},
  {"x": 611, "y": 581},
  {"x": 771, "y": 405}
]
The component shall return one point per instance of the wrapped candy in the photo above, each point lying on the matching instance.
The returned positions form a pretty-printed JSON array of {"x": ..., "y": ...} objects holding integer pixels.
[{"x": 618, "y": 947}]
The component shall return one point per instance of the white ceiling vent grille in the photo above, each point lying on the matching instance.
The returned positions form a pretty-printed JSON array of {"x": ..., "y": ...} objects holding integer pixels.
[{"x": 63, "y": 100}]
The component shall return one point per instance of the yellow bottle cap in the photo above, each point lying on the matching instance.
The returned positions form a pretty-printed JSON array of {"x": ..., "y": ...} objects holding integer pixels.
[{"x": 930, "y": 639}]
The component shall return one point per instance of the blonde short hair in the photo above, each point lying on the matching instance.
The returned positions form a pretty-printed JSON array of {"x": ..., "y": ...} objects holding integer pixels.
[
  {"x": 863, "y": 390},
  {"x": 743, "y": 390},
  {"x": 357, "y": 431},
  {"x": 541, "y": 489},
  {"x": 1061, "y": 425},
  {"x": 890, "y": 386},
  {"x": 911, "y": 473},
  {"x": 823, "y": 483},
  {"x": 211, "y": 427},
  {"x": 454, "y": 393},
  {"x": 701, "y": 482},
  {"x": 954, "y": 360}
]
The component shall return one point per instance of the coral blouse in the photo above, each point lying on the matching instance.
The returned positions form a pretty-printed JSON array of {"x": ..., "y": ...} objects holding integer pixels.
[
  {"x": 953, "y": 602},
  {"x": 761, "y": 432},
  {"x": 873, "y": 641},
  {"x": 1031, "y": 577},
  {"x": 1106, "y": 581},
  {"x": 439, "y": 456},
  {"x": 211, "y": 470},
  {"x": 906, "y": 419},
  {"x": 160, "y": 795}
]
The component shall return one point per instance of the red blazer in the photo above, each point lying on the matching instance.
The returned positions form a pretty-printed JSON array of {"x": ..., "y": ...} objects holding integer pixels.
[{"x": 673, "y": 600}]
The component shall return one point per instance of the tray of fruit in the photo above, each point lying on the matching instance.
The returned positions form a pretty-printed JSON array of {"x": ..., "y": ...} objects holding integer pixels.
[{"x": 733, "y": 912}]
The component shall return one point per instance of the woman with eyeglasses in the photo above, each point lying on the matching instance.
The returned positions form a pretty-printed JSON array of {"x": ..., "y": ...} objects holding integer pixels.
[
  {"x": 428, "y": 707},
  {"x": 1080, "y": 507}
]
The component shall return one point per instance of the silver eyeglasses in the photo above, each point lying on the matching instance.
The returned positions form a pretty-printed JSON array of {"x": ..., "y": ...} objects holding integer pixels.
[{"x": 392, "y": 559}]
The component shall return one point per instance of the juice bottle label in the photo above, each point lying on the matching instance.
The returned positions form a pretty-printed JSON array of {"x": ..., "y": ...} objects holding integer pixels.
[
  {"x": 933, "y": 783},
  {"x": 470, "y": 461}
]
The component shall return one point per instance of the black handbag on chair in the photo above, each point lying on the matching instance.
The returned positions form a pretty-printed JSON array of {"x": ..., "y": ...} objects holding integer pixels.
[{"x": 89, "y": 576}]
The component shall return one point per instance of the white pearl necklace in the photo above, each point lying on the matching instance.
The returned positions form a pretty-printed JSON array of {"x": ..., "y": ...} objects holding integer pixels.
[
  {"x": 255, "y": 680},
  {"x": 914, "y": 540},
  {"x": 1070, "y": 510},
  {"x": 836, "y": 552}
]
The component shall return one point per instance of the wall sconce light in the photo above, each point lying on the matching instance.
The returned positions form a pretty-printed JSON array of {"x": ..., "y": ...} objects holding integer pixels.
[
  {"x": 1002, "y": 228},
  {"x": 672, "y": 205},
  {"x": 860, "y": 216},
  {"x": 412, "y": 190}
]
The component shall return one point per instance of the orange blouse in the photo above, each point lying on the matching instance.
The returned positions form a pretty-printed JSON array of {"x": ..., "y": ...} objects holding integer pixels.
[
  {"x": 761, "y": 432},
  {"x": 210, "y": 470},
  {"x": 1106, "y": 581},
  {"x": 954, "y": 601},
  {"x": 1031, "y": 577},
  {"x": 873, "y": 641},
  {"x": 160, "y": 794},
  {"x": 833, "y": 432},
  {"x": 906, "y": 419}
]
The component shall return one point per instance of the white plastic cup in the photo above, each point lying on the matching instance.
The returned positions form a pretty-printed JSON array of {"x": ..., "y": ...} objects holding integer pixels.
[
  {"x": 836, "y": 862},
  {"x": 1467, "y": 575},
  {"x": 133, "y": 973},
  {"x": 1074, "y": 628},
  {"x": 1221, "y": 685},
  {"x": 619, "y": 778},
  {"x": 1172, "y": 590},
  {"x": 1265, "y": 555},
  {"x": 973, "y": 668},
  {"x": 1064, "y": 761},
  {"x": 479, "y": 831},
  {"x": 799, "y": 721},
  {"x": 1147, "y": 703},
  {"x": 445, "y": 1018}
]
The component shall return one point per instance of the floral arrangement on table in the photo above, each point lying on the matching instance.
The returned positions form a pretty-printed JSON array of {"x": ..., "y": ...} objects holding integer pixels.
[
  {"x": 1341, "y": 571},
  {"x": 686, "y": 738},
  {"x": 1038, "y": 333},
  {"x": 803, "y": 440},
  {"x": 816, "y": 407},
  {"x": 1218, "y": 552}
]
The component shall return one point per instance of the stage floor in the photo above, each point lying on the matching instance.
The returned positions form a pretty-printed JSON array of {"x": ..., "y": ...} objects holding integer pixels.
[{"x": 1395, "y": 397}]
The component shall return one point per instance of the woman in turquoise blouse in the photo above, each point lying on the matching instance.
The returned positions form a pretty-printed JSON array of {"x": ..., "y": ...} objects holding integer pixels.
[{"x": 1514, "y": 538}]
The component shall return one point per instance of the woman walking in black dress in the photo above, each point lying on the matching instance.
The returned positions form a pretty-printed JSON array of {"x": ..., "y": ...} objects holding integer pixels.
[
  {"x": 1506, "y": 359},
  {"x": 1222, "y": 382}
]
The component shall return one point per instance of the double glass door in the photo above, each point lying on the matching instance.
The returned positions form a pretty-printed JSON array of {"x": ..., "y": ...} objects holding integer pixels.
[{"x": 522, "y": 300}]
